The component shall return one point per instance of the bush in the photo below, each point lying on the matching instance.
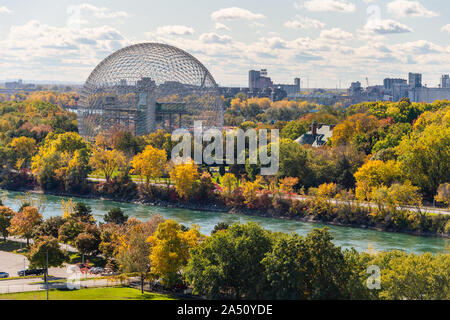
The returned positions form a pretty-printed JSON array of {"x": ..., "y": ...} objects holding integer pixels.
[{"x": 120, "y": 187}]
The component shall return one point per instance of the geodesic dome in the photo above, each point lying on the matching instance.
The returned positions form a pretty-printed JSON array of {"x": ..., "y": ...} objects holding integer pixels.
[{"x": 145, "y": 87}]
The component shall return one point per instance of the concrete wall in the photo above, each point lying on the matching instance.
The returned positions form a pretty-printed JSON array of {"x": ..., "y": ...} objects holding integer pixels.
[{"x": 428, "y": 95}]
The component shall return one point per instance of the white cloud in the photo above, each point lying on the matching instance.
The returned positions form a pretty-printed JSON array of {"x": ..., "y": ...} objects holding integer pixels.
[
  {"x": 4, "y": 9},
  {"x": 235, "y": 13},
  {"x": 221, "y": 26},
  {"x": 304, "y": 23},
  {"x": 57, "y": 53},
  {"x": 411, "y": 9},
  {"x": 328, "y": 5},
  {"x": 103, "y": 12},
  {"x": 386, "y": 27},
  {"x": 336, "y": 34},
  {"x": 446, "y": 28},
  {"x": 175, "y": 30},
  {"x": 215, "y": 38},
  {"x": 420, "y": 47}
]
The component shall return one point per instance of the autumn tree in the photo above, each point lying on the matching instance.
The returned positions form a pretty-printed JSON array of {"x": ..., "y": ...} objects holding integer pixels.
[
  {"x": 6, "y": 215},
  {"x": 107, "y": 162},
  {"x": 150, "y": 163},
  {"x": 230, "y": 182},
  {"x": 374, "y": 174},
  {"x": 443, "y": 193},
  {"x": 62, "y": 161},
  {"x": 250, "y": 191},
  {"x": 24, "y": 222},
  {"x": 133, "y": 252},
  {"x": 287, "y": 184},
  {"x": 170, "y": 250},
  {"x": 184, "y": 177},
  {"x": 24, "y": 148}
]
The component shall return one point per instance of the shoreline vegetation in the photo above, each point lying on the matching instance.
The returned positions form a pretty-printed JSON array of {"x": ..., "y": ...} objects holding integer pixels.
[
  {"x": 214, "y": 207},
  {"x": 393, "y": 154}
]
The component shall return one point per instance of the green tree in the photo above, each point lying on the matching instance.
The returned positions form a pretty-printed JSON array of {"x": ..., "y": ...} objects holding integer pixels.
[
  {"x": 414, "y": 277},
  {"x": 115, "y": 215},
  {"x": 50, "y": 227},
  {"x": 294, "y": 129},
  {"x": 424, "y": 157},
  {"x": 228, "y": 264},
  {"x": 88, "y": 241},
  {"x": 294, "y": 162},
  {"x": 38, "y": 253}
]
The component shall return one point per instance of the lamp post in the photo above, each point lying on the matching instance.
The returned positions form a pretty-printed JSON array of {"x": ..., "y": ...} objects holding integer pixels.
[{"x": 46, "y": 274}]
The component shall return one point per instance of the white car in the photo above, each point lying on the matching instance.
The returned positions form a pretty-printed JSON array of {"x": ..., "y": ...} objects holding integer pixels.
[{"x": 4, "y": 275}]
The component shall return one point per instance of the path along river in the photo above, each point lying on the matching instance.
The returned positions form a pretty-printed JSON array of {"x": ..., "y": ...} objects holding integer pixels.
[{"x": 346, "y": 237}]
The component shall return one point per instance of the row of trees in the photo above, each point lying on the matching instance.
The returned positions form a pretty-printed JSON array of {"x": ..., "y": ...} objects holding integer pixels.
[{"x": 242, "y": 261}]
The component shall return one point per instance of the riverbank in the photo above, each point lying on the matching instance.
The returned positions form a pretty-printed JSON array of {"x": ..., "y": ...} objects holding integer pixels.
[{"x": 212, "y": 207}]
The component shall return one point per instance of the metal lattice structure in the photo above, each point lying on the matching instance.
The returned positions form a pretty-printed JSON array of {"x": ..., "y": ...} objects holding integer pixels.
[{"x": 145, "y": 87}]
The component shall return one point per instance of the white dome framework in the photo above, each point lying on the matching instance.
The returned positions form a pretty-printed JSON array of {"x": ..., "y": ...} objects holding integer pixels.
[{"x": 145, "y": 87}]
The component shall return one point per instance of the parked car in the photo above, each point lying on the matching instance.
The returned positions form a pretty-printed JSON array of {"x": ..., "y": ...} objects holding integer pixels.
[
  {"x": 31, "y": 272},
  {"x": 96, "y": 270},
  {"x": 4, "y": 275}
]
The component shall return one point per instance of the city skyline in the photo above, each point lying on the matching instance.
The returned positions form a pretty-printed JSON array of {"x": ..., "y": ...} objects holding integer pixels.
[{"x": 322, "y": 42}]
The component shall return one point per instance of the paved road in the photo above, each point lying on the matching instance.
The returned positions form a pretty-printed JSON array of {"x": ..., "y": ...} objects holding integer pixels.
[{"x": 12, "y": 263}]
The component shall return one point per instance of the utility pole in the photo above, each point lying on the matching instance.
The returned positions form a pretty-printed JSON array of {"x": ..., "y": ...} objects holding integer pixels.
[{"x": 46, "y": 274}]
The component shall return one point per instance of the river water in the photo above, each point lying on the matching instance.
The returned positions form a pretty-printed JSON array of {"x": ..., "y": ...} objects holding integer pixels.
[{"x": 346, "y": 237}]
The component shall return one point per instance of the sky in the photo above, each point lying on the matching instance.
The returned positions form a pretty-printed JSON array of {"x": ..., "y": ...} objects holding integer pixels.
[{"x": 327, "y": 43}]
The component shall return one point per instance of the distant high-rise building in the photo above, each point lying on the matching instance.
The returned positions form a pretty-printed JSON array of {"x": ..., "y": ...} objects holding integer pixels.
[
  {"x": 259, "y": 79},
  {"x": 389, "y": 83},
  {"x": 415, "y": 80},
  {"x": 445, "y": 81},
  {"x": 355, "y": 88}
]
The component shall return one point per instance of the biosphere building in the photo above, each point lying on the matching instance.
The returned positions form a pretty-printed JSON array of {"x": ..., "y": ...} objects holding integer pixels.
[{"x": 145, "y": 87}]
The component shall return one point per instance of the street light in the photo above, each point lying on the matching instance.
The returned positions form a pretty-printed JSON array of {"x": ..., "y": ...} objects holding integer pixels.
[{"x": 46, "y": 274}]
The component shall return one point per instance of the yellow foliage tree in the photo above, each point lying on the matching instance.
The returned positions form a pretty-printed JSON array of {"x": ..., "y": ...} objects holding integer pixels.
[
  {"x": 229, "y": 182},
  {"x": 150, "y": 163},
  {"x": 107, "y": 162},
  {"x": 287, "y": 184},
  {"x": 374, "y": 174},
  {"x": 250, "y": 191},
  {"x": 184, "y": 177},
  {"x": 24, "y": 147},
  {"x": 170, "y": 248},
  {"x": 327, "y": 190}
]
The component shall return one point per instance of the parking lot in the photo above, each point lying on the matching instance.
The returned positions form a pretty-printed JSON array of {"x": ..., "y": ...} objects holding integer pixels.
[{"x": 12, "y": 263}]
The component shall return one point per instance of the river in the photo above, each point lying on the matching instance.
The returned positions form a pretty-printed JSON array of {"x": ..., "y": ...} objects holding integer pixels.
[{"x": 346, "y": 237}]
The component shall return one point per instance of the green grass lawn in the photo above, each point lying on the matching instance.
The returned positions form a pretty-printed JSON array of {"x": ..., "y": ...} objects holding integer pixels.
[
  {"x": 95, "y": 261},
  {"x": 116, "y": 293},
  {"x": 13, "y": 246}
]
